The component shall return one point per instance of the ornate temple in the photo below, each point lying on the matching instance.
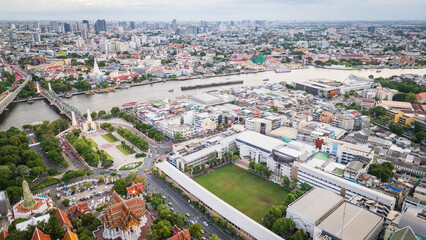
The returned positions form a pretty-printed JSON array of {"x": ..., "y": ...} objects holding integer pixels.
[
  {"x": 77, "y": 210},
  {"x": 39, "y": 235},
  {"x": 30, "y": 205},
  {"x": 123, "y": 218},
  {"x": 135, "y": 190},
  {"x": 89, "y": 125}
]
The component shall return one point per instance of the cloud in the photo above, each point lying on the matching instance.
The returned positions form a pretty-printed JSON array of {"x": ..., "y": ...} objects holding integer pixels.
[{"x": 212, "y": 9}]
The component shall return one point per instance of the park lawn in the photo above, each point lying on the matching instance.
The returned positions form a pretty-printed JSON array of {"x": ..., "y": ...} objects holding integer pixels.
[
  {"x": 243, "y": 190},
  {"x": 92, "y": 143},
  {"x": 109, "y": 139},
  {"x": 127, "y": 167},
  {"x": 124, "y": 151},
  {"x": 48, "y": 181}
]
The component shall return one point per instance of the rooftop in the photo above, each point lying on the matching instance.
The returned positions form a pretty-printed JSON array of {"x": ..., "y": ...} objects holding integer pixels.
[
  {"x": 315, "y": 204},
  {"x": 350, "y": 222},
  {"x": 259, "y": 140}
]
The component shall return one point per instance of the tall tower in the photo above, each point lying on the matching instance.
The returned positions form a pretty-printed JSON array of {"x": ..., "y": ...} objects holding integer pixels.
[
  {"x": 96, "y": 67},
  {"x": 50, "y": 87},
  {"x": 89, "y": 116},
  {"x": 29, "y": 202},
  {"x": 38, "y": 87}
]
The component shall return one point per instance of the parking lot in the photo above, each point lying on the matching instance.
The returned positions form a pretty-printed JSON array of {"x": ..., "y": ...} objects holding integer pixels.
[{"x": 96, "y": 195}]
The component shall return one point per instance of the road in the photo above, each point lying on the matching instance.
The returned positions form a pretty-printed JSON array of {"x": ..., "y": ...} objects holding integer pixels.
[
  {"x": 156, "y": 185},
  {"x": 9, "y": 98}
]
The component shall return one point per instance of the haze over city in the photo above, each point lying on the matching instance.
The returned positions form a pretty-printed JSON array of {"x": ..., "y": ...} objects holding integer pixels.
[{"x": 194, "y": 10}]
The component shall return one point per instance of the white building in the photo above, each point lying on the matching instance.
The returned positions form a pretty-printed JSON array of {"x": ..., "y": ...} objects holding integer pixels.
[
  {"x": 256, "y": 146},
  {"x": 346, "y": 188},
  {"x": 325, "y": 215},
  {"x": 259, "y": 125},
  {"x": 345, "y": 152}
]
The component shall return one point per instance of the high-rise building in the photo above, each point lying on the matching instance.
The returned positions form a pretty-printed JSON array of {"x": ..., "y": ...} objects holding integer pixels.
[
  {"x": 12, "y": 35},
  {"x": 100, "y": 26},
  {"x": 132, "y": 25},
  {"x": 174, "y": 24},
  {"x": 123, "y": 24},
  {"x": 67, "y": 27},
  {"x": 54, "y": 26},
  {"x": 35, "y": 37},
  {"x": 36, "y": 25},
  {"x": 84, "y": 34},
  {"x": 86, "y": 25},
  {"x": 371, "y": 29}
]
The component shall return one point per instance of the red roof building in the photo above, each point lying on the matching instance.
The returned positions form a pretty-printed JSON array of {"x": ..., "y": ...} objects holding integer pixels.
[
  {"x": 38, "y": 235},
  {"x": 123, "y": 218},
  {"x": 63, "y": 219},
  {"x": 135, "y": 190},
  {"x": 421, "y": 96},
  {"x": 3, "y": 235},
  {"x": 180, "y": 234},
  {"x": 78, "y": 209}
]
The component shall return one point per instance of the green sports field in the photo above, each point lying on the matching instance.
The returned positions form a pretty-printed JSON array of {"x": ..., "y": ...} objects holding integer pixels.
[{"x": 245, "y": 191}]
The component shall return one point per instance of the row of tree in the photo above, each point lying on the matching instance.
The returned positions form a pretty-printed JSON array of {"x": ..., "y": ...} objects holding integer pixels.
[
  {"x": 139, "y": 142},
  {"x": 382, "y": 171},
  {"x": 46, "y": 134},
  {"x": 17, "y": 162},
  {"x": 260, "y": 168}
]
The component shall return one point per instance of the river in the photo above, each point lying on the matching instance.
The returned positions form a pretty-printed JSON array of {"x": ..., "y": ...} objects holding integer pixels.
[{"x": 24, "y": 113}]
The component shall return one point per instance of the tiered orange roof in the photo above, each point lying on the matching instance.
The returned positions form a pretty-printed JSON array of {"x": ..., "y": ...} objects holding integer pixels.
[
  {"x": 63, "y": 219},
  {"x": 70, "y": 236},
  {"x": 78, "y": 209},
  {"x": 3, "y": 235},
  {"x": 38, "y": 235},
  {"x": 135, "y": 189},
  {"x": 123, "y": 214},
  {"x": 180, "y": 234}
]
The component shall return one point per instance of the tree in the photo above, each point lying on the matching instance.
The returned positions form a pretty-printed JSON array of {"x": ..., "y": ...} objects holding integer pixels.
[
  {"x": 66, "y": 202},
  {"x": 214, "y": 237},
  {"x": 411, "y": 97},
  {"x": 382, "y": 171},
  {"x": 286, "y": 181},
  {"x": 14, "y": 193},
  {"x": 194, "y": 230},
  {"x": 93, "y": 114},
  {"x": 115, "y": 111},
  {"x": 378, "y": 111},
  {"x": 294, "y": 184},
  {"x": 87, "y": 219},
  {"x": 283, "y": 226},
  {"x": 299, "y": 235},
  {"x": 120, "y": 186},
  {"x": 273, "y": 214},
  {"x": 252, "y": 164},
  {"x": 419, "y": 137},
  {"x": 177, "y": 137},
  {"x": 160, "y": 229}
]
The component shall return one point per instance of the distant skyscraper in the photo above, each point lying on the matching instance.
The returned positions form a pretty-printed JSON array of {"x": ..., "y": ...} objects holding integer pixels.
[
  {"x": 35, "y": 37},
  {"x": 371, "y": 29},
  {"x": 86, "y": 23},
  {"x": 132, "y": 25},
  {"x": 84, "y": 34},
  {"x": 12, "y": 35},
  {"x": 54, "y": 26},
  {"x": 100, "y": 26},
  {"x": 174, "y": 24},
  {"x": 123, "y": 24},
  {"x": 67, "y": 27},
  {"x": 232, "y": 23},
  {"x": 36, "y": 25}
]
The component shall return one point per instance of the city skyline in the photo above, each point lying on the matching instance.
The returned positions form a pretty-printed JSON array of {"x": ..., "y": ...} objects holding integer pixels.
[{"x": 211, "y": 10}]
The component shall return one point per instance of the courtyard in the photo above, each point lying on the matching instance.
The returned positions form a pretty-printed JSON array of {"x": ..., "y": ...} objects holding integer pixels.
[{"x": 247, "y": 192}]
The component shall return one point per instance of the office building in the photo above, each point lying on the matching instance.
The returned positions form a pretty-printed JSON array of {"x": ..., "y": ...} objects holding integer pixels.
[
  {"x": 86, "y": 25},
  {"x": 174, "y": 24},
  {"x": 256, "y": 146},
  {"x": 12, "y": 35},
  {"x": 132, "y": 25},
  {"x": 344, "y": 152},
  {"x": 371, "y": 29},
  {"x": 35, "y": 37},
  {"x": 347, "y": 189},
  {"x": 100, "y": 26},
  {"x": 317, "y": 88}
]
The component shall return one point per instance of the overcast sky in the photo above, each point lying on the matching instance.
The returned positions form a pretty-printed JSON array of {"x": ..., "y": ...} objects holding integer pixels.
[{"x": 195, "y": 10}]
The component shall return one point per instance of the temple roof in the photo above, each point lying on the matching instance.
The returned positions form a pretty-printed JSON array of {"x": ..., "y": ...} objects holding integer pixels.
[
  {"x": 63, "y": 219},
  {"x": 38, "y": 235},
  {"x": 70, "y": 236},
  {"x": 135, "y": 189},
  {"x": 123, "y": 214}
]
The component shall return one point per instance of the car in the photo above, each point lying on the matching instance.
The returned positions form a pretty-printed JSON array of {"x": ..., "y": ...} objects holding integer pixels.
[
  {"x": 171, "y": 204},
  {"x": 171, "y": 209},
  {"x": 164, "y": 197},
  {"x": 145, "y": 170},
  {"x": 132, "y": 171},
  {"x": 201, "y": 231},
  {"x": 187, "y": 214},
  {"x": 81, "y": 199},
  {"x": 192, "y": 222},
  {"x": 205, "y": 224}
]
